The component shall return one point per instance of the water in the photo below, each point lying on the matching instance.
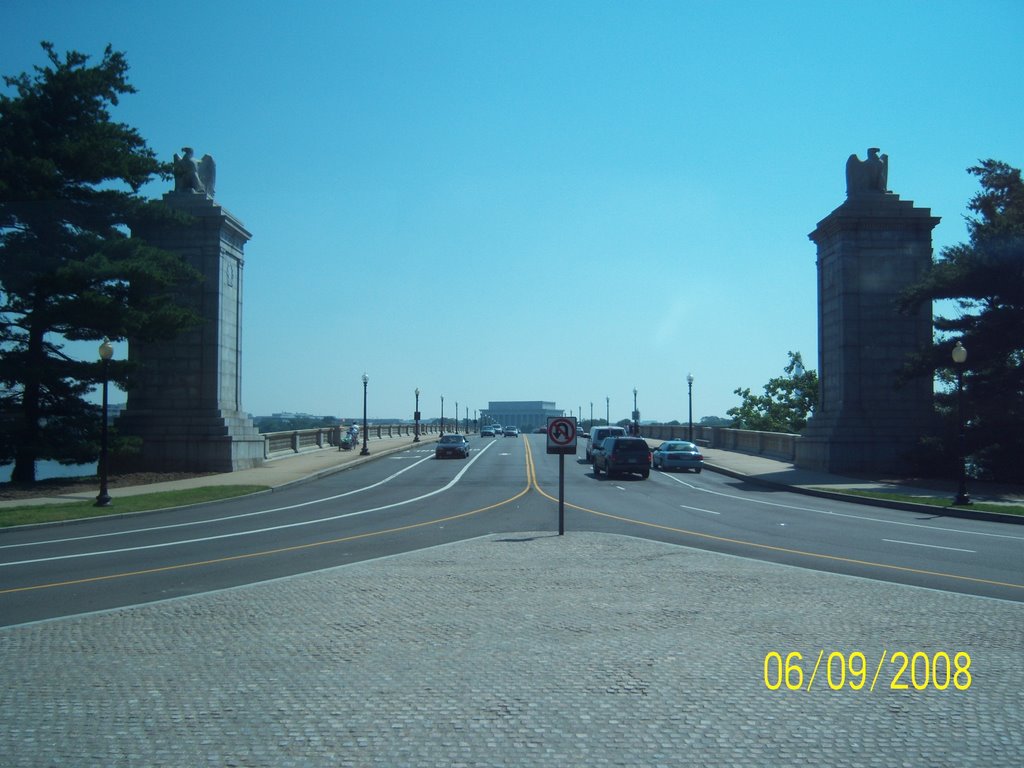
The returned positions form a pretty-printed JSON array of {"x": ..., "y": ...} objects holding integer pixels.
[{"x": 46, "y": 470}]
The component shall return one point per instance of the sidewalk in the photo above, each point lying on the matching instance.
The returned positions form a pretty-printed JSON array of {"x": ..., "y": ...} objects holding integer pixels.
[{"x": 779, "y": 473}]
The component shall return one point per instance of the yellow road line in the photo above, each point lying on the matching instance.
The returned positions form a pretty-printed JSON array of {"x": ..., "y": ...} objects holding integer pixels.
[
  {"x": 266, "y": 553},
  {"x": 770, "y": 547}
]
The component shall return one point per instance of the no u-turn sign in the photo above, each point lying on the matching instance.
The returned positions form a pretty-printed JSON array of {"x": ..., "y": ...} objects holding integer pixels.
[{"x": 562, "y": 434}]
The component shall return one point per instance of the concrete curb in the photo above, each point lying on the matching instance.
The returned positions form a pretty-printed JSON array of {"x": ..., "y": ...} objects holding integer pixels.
[{"x": 958, "y": 512}]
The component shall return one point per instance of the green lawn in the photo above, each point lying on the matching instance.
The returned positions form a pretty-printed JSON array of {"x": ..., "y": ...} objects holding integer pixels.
[
  {"x": 76, "y": 510},
  {"x": 932, "y": 501}
]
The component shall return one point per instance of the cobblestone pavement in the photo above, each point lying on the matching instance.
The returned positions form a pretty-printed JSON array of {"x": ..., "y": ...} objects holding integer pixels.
[{"x": 521, "y": 650}]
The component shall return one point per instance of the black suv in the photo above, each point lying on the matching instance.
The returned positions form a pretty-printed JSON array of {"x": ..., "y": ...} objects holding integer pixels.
[{"x": 623, "y": 454}]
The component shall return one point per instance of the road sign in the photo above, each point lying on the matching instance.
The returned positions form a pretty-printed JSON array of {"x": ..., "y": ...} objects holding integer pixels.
[
  {"x": 562, "y": 434},
  {"x": 561, "y": 440}
]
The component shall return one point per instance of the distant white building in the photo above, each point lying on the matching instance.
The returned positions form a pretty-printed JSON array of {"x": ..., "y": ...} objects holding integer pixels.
[{"x": 525, "y": 414}]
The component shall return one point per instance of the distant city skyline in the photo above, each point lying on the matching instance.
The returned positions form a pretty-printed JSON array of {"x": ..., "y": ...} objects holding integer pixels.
[{"x": 565, "y": 200}]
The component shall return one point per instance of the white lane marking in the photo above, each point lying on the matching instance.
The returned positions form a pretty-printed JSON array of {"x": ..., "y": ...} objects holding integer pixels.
[
  {"x": 846, "y": 514},
  {"x": 281, "y": 527},
  {"x": 239, "y": 516},
  {"x": 699, "y": 509},
  {"x": 931, "y": 546}
]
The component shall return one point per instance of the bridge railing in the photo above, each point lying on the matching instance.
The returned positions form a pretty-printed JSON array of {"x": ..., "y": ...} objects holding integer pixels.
[
  {"x": 779, "y": 445},
  {"x": 291, "y": 441}
]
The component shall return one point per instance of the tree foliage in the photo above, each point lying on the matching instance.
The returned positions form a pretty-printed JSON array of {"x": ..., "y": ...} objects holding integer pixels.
[
  {"x": 786, "y": 404},
  {"x": 69, "y": 269},
  {"x": 985, "y": 280}
]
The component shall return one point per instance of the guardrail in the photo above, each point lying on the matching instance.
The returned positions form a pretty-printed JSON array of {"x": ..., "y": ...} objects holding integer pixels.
[{"x": 292, "y": 441}]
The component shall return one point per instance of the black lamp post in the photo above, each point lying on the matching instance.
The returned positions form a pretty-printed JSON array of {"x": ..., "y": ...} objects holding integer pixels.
[
  {"x": 455, "y": 421},
  {"x": 959, "y": 358},
  {"x": 607, "y": 410},
  {"x": 689, "y": 393},
  {"x": 366, "y": 449},
  {"x": 416, "y": 417},
  {"x": 442, "y": 415},
  {"x": 106, "y": 352}
]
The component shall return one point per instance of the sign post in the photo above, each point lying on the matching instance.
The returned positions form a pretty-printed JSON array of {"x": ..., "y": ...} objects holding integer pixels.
[{"x": 561, "y": 440}]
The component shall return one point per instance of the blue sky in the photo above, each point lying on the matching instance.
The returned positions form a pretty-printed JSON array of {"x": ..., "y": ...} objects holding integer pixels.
[{"x": 545, "y": 200}]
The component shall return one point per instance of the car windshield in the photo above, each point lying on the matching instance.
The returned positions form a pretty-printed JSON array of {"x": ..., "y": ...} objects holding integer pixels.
[
  {"x": 677, "y": 447},
  {"x": 452, "y": 439}
]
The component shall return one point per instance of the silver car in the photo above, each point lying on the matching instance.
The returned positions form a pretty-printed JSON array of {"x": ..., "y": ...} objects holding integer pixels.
[{"x": 677, "y": 454}]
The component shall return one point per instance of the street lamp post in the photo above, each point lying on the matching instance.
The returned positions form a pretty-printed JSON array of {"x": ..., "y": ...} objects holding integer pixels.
[
  {"x": 636, "y": 415},
  {"x": 442, "y": 414},
  {"x": 416, "y": 418},
  {"x": 456, "y": 419},
  {"x": 689, "y": 395},
  {"x": 366, "y": 449},
  {"x": 106, "y": 352},
  {"x": 959, "y": 358},
  {"x": 607, "y": 410}
]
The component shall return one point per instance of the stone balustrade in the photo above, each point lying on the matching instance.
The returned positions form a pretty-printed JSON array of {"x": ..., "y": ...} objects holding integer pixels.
[
  {"x": 778, "y": 445},
  {"x": 292, "y": 441}
]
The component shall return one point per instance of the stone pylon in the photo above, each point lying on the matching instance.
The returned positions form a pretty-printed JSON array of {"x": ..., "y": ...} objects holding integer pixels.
[
  {"x": 185, "y": 401},
  {"x": 870, "y": 249}
]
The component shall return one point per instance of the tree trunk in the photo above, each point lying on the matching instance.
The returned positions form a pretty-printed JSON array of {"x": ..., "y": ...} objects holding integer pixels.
[{"x": 27, "y": 451}]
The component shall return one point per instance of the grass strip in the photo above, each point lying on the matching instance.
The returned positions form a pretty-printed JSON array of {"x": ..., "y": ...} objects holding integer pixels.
[
  {"x": 931, "y": 501},
  {"x": 145, "y": 502}
]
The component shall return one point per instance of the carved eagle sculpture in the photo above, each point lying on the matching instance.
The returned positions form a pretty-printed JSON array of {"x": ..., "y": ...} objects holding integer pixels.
[
  {"x": 865, "y": 176},
  {"x": 208, "y": 175},
  {"x": 190, "y": 176}
]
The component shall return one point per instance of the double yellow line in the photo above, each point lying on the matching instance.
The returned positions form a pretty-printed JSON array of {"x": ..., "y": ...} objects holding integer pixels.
[{"x": 531, "y": 484}]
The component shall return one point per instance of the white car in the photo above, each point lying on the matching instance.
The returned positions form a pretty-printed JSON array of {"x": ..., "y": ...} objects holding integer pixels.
[{"x": 511, "y": 432}]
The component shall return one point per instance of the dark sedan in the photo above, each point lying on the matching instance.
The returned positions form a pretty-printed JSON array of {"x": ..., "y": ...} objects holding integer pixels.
[
  {"x": 620, "y": 455},
  {"x": 452, "y": 446},
  {"x": 676, "y": 454}
]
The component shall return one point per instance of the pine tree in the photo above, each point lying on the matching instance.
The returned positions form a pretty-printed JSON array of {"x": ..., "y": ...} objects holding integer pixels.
[
  {"x": 985, "y": 278},
  {"x": 69, "y": 269}
]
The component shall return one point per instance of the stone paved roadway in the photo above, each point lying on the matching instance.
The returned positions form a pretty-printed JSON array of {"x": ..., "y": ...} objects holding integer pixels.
[{"x": 523, "y": 650}]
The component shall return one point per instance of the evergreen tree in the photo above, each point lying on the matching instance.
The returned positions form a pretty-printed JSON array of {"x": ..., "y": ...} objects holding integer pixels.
[
  {"x": 985, "y": 279},
  {"x": 69, "y": 270}
]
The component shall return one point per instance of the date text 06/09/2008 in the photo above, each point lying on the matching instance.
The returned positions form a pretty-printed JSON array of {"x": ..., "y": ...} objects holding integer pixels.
[{"x": 917, "y": 671}]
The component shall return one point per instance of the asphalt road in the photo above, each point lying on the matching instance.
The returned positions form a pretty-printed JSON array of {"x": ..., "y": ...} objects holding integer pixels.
[{"x": 408, "y": 501}]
